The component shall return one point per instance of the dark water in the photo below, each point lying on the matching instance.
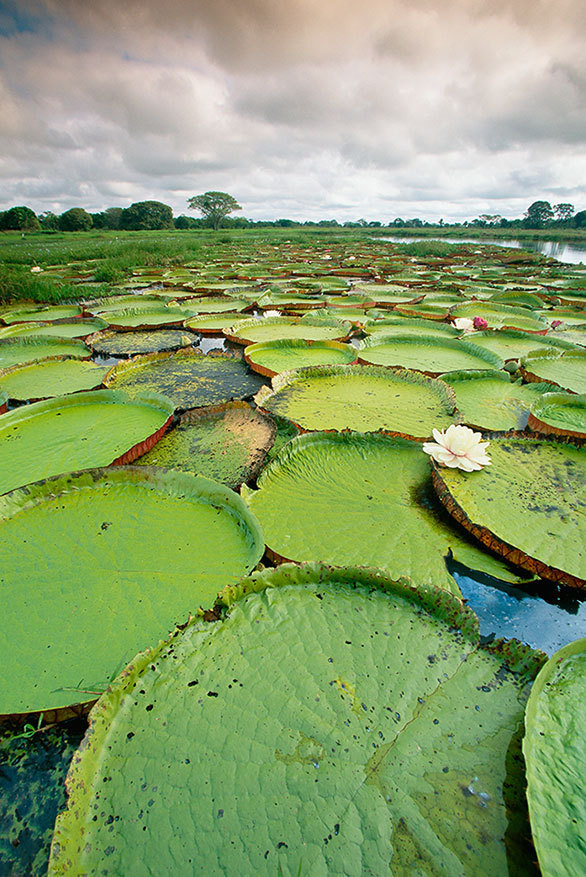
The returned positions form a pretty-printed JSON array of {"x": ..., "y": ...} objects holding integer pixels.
[
  {"x": 570, "y": 252},
  {"x": 542, "y": 615}
]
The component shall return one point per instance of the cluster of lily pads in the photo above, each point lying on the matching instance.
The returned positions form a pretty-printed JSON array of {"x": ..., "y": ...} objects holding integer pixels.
[{"x": 310, "y": 693}]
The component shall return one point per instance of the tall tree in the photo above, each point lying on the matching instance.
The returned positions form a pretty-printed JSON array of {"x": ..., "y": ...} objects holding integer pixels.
[
  {"x": 19, "y": 219},
  {"x": 563, "y": 212},
  {"x": 145, "y": 215},
  {"x": 214, "y": 206},
  {"x": 538, "y": 214},
  {"x": 75, "y": 219}
]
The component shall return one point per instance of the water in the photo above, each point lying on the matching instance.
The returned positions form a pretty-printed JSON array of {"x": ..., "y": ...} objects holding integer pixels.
[
  {"x": 572, "y": 253},
  {"x": 542, "y": 615}
]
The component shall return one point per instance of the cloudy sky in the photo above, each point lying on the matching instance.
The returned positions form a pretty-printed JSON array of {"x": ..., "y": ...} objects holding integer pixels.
[{"x": 306, "y": 109}]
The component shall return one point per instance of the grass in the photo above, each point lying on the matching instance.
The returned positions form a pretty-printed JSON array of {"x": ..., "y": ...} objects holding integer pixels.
[{"x": 110, "y": 256}]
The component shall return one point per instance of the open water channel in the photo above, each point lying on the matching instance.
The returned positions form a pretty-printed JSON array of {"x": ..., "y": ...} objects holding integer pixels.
[{"x": 564, "y": 251}]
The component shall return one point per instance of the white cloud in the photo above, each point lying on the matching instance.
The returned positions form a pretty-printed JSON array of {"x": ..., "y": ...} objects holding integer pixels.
[{"x": 378, "y": 109}]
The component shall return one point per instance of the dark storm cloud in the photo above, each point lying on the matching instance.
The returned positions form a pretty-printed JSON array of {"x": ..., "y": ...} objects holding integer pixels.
[{"x": 381, "y": 108}]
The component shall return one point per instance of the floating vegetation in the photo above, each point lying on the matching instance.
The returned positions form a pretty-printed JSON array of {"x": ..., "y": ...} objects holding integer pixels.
[
  {"x": 188, "y": 377},
  {"x": 319, "y": 782}
]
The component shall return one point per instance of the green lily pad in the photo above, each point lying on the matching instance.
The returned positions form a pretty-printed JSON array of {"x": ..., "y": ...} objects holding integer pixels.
[
  {"x": 78, "y": 432},
  {"x": 490, "y": 401},
  {"x": 566, "y": 369},
  {"x": 189, "y": 378},
  {"x": 17, "y": 351},
  {"x": 427, "y": 311},
  {"x": 377, "y": 499},
  {"x": 568, "y": 316},
  {"x": 518, "y": 298},
  {"x": 274, "y": 328},
  {"x": 43, "y": 312},
  {"x": 212, "y": 305},
  {"x": 501, "y": 316},
  {"x": 139, "y": 318},
  {"x": 272, "y": 357},
  {"x": 363, "y": 398},
  {"x": 528, "y": 506},
  {"x": 21, "y": 330},
  {"x": 60, "y": 328},
  {"x": 556, "y": 763},
  {"x": 111, "y": 343},
  {"x": 50, "y": 377},
  {"x": 213, "y": 324},
  {"x": 429, "y": 354},
  {"x": 513, "y": 344},
  {"x": 153, "y": 545},
  {"x": 559, "y": 414},
  {"x": 107, "y": 307},
  {"x": 397, "y": 325},
  {"x": 227, "y": 443},
  {"x": 359, "y": 762}
]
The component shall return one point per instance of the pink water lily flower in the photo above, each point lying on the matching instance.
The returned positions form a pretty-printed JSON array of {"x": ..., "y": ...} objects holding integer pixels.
[
  {"x": 458, "y": 447},
  {"x": 480, "y": 323}
]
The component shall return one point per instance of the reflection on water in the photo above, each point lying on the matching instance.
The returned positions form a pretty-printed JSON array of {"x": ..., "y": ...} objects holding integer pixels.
[
  {"x": 565, "y": 252},
  {"x": 543, "y": 615}
]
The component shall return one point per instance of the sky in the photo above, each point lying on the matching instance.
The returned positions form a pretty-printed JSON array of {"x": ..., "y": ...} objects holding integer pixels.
[{"x": 300, "y": 109}]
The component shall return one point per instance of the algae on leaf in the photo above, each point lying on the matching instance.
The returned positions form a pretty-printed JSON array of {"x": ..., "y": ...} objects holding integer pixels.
[
  {"x": 227, "y": 443},
  {"x": 556, "y": 762},
  {"x": 110, "y": 343},
  {"x": 396, "y": 740},
  {"x": 528, "y": 506},
  {"x": 190, "y": 378}
]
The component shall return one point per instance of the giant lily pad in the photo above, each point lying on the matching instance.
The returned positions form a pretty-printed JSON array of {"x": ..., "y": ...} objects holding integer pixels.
[
  {"x": 212, "y": 305},
  {"x": 396, "y": 729},
  {"x": 271, "y": 357},
  {"x": 363, "y": 398},
  {"x": 556, "y": 762},
  {"x": 188, "y": 377},
  {"x": 42, "y": 312},
  {"x": 110, "y": 343},
  {"x": 426, "y": 353},
  {"x": 567, "y": 369},
  {"x": 397, "y": 325},
  {"x": 76, "y": 432},
  {"x": 15, "y": 351},
  {"x": 61, "y": 328},
  {"x": 139, "y": 318},
  {"x": 50, "y": 377},
  {"x": 212, "y": 324},
  {"x": 107, "y": 307},
  {"x": 152, "y": 546},
  {"x": 498, "y": 316},
  {"x": 528, "y": 506},
  {"x": 559, "y": 414},
  {"x": 489, "y": 400},
  {"x": 227, "y": 443},
  {"x": 512, "y": 344},
  {"x": 275, "y": 328},
  {"x": 373, "y": 495}
]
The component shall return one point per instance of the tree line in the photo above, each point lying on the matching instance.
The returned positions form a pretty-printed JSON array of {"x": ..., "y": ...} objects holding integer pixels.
[{"x": 215, "y": 208}]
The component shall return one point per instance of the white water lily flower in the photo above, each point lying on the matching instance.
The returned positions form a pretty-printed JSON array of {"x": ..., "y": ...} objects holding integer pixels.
[
  {"x": 35, "y": 269},
  {"x": 458, "y": 447},
  {"x": 464, "y": 323}
]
